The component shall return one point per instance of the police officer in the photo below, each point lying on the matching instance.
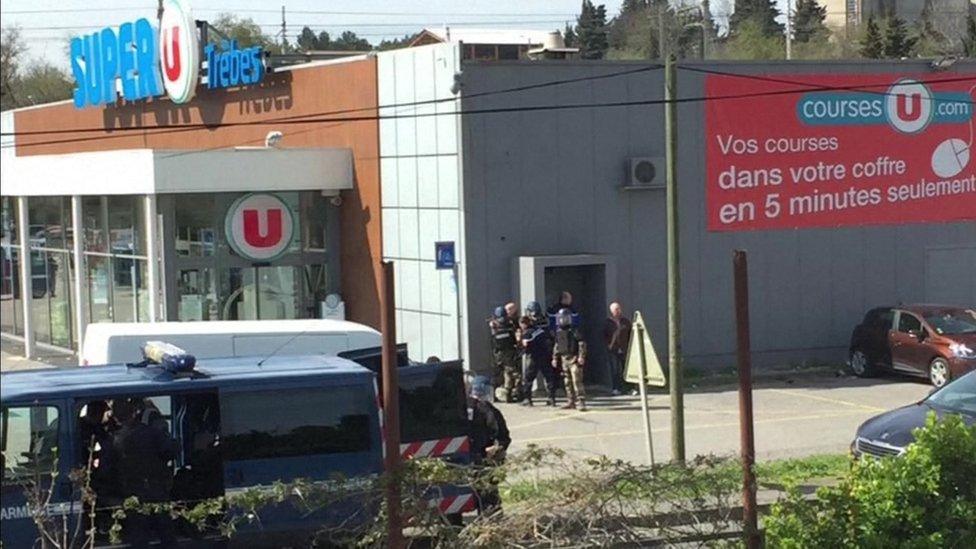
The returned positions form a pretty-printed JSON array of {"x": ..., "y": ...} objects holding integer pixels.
[
  {"x": 536, "y": 341},
  {"x": 570, "y": 351},
  {"x": 489, "y": 442},
  {"x": 504, "y": 351},
  {"x": 143, "y": 452}
]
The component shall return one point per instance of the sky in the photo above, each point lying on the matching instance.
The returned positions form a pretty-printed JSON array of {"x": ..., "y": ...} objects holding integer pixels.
[{"x": 51, "y": 22}]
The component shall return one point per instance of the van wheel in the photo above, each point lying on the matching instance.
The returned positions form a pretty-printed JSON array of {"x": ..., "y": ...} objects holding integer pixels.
[
  {"x": 860, "y": 364},
  {"x": 939, "y": 372}
]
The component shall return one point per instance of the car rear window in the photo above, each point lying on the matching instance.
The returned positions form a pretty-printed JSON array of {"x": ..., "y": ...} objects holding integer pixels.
[{"x": 290, "y": 423}]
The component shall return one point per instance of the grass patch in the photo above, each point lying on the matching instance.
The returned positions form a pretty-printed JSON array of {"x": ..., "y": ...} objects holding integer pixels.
[
  {"x": 672, "y": 481},
  {"x": 800, "y": 470}
]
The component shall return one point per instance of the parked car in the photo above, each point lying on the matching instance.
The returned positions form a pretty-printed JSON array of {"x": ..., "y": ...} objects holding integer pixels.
[
  {"x": 935, "y": 341},
  {"x": 891, "y": 432}
]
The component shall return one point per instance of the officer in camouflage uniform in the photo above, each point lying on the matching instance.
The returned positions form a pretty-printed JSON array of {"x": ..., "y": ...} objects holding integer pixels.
[
  {"x": 504, "y": 352},
  {"x": 570, "y": 351}
]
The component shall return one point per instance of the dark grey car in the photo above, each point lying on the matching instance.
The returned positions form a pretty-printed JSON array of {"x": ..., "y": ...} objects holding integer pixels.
[{"x": 891, "y": 432}]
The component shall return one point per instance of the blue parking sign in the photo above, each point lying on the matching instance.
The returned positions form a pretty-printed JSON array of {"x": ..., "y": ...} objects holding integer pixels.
[{"x": 444, "y": 255}]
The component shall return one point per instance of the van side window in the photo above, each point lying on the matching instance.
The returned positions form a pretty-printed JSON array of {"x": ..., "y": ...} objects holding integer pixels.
[
  {"x": 261, "y": 425},
  {"x": 30, "y": 442},
  {"x": 430, "y": 410}
]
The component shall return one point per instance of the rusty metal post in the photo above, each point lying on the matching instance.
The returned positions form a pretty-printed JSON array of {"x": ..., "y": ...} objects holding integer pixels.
[
  {"x": 750, "y": 522},
  {"x": 391, "y": 410}
]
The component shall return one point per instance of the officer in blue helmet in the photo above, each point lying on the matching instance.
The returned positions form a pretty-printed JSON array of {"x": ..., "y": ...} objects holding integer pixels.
[
  {"x": 504, "y": 352},
  {"x": 569, "y": 351},
  {"x": 536, "y": 342}
]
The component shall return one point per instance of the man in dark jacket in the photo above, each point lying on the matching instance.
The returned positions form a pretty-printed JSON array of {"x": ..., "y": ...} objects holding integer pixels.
[
  {"x": 143, "y": 450},
  {"x": 616, "y": 335},
  {"x": 536, "y": 342},
  {"x": 489, "y": 441}
]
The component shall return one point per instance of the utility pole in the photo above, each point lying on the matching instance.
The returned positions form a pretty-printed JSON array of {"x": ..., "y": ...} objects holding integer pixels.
[
  {"x": 750, "y": 521},
  {"x": 284, "y": 31},
  {"x": 159, "y": 10},
  {"x": 789, "y": 29},
  {"x": 391, "y": 410},
  {"x": 674, "y": 271}
]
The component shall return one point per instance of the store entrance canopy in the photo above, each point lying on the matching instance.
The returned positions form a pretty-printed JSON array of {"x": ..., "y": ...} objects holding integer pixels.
[{"x": 149, "y": 171}]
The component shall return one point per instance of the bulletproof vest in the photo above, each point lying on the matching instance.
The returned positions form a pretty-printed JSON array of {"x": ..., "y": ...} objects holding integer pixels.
[
  {"x": 567, "y": 343},
  {"x": 502, "y": 335}
]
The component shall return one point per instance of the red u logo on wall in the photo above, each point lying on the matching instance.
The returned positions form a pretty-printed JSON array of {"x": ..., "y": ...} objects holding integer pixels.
[
  {"x": 259, "y": 226},
  {"x": 253, "y": 234},
  {"x": 171, "y": 53},
  {"x": 909, "y": 112}
]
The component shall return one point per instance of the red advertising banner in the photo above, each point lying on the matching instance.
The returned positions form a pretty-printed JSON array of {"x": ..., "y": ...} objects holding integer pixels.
[{"x": 800, "y": 151}]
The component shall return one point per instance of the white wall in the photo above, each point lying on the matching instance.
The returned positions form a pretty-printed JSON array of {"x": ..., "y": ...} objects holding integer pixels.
[{"x": 421, "y": 190}]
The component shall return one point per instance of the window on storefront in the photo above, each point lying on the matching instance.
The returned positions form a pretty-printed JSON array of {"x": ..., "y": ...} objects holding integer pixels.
[
  {"x": 49, "y": 220},
  {"x": 11, "y": 308},
  {"x": 116, "y": 264},
  {"x": 196, "y": 224},
  {"x": 215, "y": 282}
]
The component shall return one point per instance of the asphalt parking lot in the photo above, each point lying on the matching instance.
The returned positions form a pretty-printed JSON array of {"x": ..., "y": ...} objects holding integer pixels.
[{"x": 813, "y": 415}]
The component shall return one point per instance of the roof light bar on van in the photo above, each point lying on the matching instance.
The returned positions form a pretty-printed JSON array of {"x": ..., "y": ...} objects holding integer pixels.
[{"x": 168, "y": 356}]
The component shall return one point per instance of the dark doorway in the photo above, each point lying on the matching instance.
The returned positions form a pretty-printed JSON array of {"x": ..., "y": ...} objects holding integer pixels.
[{"x": 588, "y": 285}]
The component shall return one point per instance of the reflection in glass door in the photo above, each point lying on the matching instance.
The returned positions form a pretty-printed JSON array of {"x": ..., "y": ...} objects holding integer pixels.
[{"x": 260, "y": 293}]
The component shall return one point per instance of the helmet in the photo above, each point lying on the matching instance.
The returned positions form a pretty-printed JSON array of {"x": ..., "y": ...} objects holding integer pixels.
[
  {"x": 564, "y": 318},
  {"x": 533, "y": 309},
  {"x": 481, "y": 388},
  {"x": 499, "y": 312}
]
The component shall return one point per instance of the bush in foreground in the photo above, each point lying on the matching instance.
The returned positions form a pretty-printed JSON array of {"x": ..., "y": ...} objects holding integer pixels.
[{"x": 926, "y": 498}]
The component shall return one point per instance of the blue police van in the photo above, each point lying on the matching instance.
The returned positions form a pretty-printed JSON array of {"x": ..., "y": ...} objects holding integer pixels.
[{"x": 235, "y": 423}]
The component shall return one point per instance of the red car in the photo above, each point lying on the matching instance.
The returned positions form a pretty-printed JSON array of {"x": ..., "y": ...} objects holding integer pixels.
[{"x": 935, "y": 341}]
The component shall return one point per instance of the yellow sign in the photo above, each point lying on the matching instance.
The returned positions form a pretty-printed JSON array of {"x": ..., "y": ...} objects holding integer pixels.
[{"x": 641, "y": 349}]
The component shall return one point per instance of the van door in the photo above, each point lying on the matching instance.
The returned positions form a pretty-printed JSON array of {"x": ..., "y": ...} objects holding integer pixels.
[
  {"x": 33, "y": 439},
  {"x": 316, "y": 431}
]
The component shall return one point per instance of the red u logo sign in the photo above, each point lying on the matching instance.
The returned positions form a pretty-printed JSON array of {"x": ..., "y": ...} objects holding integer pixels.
[
  {"x": 171, "y": 54},
  {"x": 252, "y": 229},
  {"x": 909, "y": 112}
]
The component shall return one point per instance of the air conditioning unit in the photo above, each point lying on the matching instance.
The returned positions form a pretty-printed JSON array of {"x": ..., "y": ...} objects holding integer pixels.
[{"x": 645, "y": 172}]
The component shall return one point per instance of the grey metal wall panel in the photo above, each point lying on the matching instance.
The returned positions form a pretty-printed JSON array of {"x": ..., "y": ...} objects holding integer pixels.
[{"x": 545, "y": 182}]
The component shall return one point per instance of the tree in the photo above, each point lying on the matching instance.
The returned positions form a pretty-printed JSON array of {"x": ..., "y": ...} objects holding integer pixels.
[
  {"x": 897, "y": 42},
  {"x": 11, "y": 52},
  {"x": 873, "y": 44},
  {"x": 348, "y": 41},
  {"x": 930, "y": 40},
  {"x": 591, "y": 27},
  {"x": 396, "y": 43},
  {"x": 762, "y": 12},
  {"x": 969, "y": 43},
  {"x": 750, "y": 42},
  {"x": 569, "y": 37},
  {"x": 307, "y": 40},
  {"x": 31, "y": 83},
  {"x": 808, "y": 23},
  {"x": 245, "y": 31},
  {"x": 42, "y": 82}
]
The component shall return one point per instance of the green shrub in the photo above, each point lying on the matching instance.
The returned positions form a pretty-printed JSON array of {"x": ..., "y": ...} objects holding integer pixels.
[{"x": 923, "y": 499}]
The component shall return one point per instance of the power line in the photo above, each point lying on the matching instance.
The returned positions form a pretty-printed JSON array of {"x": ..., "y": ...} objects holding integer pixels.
[
  {"x": 333, "y": 25},
  {"x": 298, "y": 12},
  {"x": 807, "y": 88},
  {"x": 514, "y": 89}
]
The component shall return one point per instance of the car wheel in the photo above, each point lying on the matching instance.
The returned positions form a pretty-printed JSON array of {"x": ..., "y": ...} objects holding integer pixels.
[
  {"x": 860, "y": 364},
  {"x": 939, "y": 372}
]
